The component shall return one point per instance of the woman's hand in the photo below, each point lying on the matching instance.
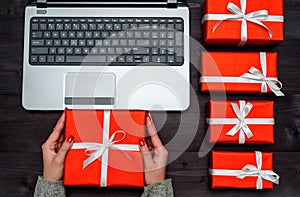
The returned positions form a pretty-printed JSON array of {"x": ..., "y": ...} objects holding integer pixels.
[
  {"x": 154, "y": 154},
  {"x": 55, "y": 150}
]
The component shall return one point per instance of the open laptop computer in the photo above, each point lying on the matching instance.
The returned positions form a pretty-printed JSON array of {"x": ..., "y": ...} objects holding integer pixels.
[{"x": 106, "y": 55}]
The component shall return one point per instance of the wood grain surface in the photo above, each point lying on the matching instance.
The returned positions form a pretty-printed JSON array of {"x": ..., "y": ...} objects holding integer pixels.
[{"x": 22, "y": 132}]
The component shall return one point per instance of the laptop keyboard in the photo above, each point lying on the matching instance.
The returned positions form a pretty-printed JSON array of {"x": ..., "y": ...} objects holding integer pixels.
[{"x": 106, "y": 41}]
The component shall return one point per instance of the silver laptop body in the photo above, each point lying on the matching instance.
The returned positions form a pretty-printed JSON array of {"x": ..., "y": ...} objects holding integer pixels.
[{"x": 145, "y": 86}]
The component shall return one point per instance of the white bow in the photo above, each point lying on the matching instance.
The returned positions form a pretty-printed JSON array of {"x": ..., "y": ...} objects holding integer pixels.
[
  {"x": 256, "y": 75},
  {"x": 100, "y": 148},
  {"x": 241, "y": 113},
  {"x": 251, "y": 170},
  {"x": 239, "y": 14}
]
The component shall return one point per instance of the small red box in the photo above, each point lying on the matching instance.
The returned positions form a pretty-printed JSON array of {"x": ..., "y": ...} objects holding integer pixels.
[
  {"x": 223, "y": 71},
  {"x": 221, "y": 118},
  {"x": 228, "y": 32},
  {"x": 235, "y": 161},
  {"x": 125, "y": 167}
]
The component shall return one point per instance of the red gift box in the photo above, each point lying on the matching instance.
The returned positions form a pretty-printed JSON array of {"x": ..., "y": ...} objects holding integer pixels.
[
  {"x": 225, "y": 23},
  {"x": 249, "y": 170},
  {"x": 250, "y": 122},
  {"x": 240, "y": 72},
  {"x": 105, "y": 151}
]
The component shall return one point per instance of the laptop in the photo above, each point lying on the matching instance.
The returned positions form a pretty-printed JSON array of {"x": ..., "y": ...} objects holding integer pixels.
[{"x": 106, "y": 55}]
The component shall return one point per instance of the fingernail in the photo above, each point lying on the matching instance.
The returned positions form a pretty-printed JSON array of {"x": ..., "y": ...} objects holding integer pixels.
[
  {"x": 70, "y": 139},
  {"x": 149, "y": 116},
  {"x": 142, "y": 143}
]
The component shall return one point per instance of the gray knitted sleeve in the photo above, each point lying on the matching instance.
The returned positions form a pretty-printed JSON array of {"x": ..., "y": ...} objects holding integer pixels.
[
  {"x": 46, "y": 188},
  {"x": 160, "y": 189}
]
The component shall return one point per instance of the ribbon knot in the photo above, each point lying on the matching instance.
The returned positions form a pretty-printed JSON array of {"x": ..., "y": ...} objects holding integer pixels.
[
  {"x": 241, "y": 113},
  {"x": 96, "y": 150},
  {"x": 256, "y": 75},
  {"x": 240, "y": 14},
  {"x": 251, "y": 170}
]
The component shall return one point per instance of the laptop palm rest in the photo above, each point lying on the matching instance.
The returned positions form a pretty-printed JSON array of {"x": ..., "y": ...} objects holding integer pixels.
[{"x": 89, "y": 90}]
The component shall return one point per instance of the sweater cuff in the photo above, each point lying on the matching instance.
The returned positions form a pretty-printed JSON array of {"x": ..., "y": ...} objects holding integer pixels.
[
  {"x": 48, "y": 188},
  {"x": 162, "y": 189}
]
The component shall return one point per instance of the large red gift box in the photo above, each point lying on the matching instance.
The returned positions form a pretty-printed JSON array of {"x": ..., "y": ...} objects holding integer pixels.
[
  {"x": 248, "y": 170},
  {"x": 105, "y": 151},
  {"x": 224, "y": 22},
  {"x": 240, "y": 72},
  {"x": 232, "y": 121}
]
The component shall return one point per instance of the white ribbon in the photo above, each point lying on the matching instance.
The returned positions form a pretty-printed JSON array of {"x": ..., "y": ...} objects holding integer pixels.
[
  {"x": 241, "y": 122},
  {"x": 240, "y": 14},
  {"x": 96, "y": 150},
  {"x": 254, "y": 76},
  {"x": 250, "y": 170}
]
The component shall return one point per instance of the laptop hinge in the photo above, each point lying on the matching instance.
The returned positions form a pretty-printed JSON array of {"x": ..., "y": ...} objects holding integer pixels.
[
  {"x": 41, "y": 3},
  {"x": 172, "y": 3}
]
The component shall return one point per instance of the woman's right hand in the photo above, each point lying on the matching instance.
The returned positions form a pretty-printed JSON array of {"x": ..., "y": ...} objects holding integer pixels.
[
  {"x": 154, "y": 154},
  {"x": 55, "y": 150}
]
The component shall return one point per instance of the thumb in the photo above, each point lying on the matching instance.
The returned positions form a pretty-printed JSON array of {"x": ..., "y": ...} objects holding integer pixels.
[
  {"x": 66, "y": 146},
  {"x": 147, "y": 157}
]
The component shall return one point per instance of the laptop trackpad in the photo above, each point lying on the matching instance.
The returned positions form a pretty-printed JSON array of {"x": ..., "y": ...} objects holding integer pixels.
[{"x": 87, "y": 90}]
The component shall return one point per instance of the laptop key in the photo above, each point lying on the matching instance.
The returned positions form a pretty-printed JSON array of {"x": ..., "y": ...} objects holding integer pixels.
[
  {"x": 158, "y": 59},
  {"x": 140, "y": 51},
  {"x": 35, "y": 26},
  {"x": 34, "y": 58},
  {"x": 59, "y": 59},
  {"x": 77, "y": 51},
  {"x": 57, "y": 43},
  {"x": 111, "y": 58},
  {"x": 146, "y": 59},
  {"x": 178, "y": 39},
  {"x": 51, "y": 26},
  {"x": 69, "y": 51},
  {"x": 100, "y": 26},
  {"x": 142, "y": 42},
  {"x": 52, "y": 51},
  {"x": 170, "y": 59},
  {"x": 85, "y": 51},
  {"x": 129, "y": 59},
  {"x": 39, "y": 50},
  {"x": 61, "y": 51},
  {"x": 37, "y": 34},
  {"x": 43, "y": 26},
  {"x": 87, "y": 59},
  {"x": 47, "y": 34},
  {"x": 39, "y": 43},
  {"x": 42, "y": 59},
  {"x": 50, "y": 59}
]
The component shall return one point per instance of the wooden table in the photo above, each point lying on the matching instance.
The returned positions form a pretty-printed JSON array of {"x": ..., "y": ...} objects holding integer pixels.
[{"x": 22, "y": 132}]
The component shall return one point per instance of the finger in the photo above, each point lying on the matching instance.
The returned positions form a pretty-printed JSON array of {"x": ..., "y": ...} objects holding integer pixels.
[
  {"x": 153, "y": 133},
  {"x": 148, "y": 161},
  {"x": 57, "y": 131},
  {"x": 65, "y": 147}
]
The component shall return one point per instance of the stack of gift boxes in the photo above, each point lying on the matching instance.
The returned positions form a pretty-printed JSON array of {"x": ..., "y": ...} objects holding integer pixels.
[{"x": 241, "y": 23}]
